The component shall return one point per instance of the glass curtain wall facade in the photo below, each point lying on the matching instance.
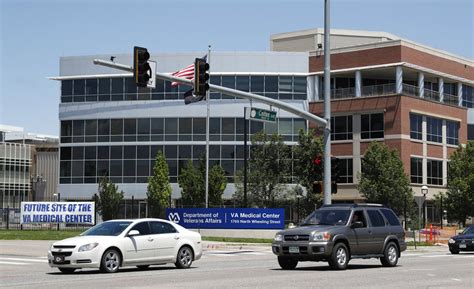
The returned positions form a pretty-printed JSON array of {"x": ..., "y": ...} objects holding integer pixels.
[
  {"x": 125, "y": 148},
  {"x": 124, "y": 89}
]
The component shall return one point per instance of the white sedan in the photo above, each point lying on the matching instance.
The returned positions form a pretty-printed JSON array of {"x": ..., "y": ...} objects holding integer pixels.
[{"x": 118, "y": 243}]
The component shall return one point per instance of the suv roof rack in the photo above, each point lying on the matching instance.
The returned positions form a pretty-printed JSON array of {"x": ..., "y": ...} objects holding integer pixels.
[{"x": 353, "y": 205}]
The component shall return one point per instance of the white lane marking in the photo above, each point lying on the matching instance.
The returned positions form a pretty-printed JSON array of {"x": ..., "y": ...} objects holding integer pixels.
[
  {"x": 222, "y": 255},
  {"x": 13, "y": 263},
  {"x": 411, "y": 255},
  {"x": 436, "y": 256},
  {"x": 456, "y": 279},
  {"x": 23, "y": 259},
  {"x": 431, "y": 275}
]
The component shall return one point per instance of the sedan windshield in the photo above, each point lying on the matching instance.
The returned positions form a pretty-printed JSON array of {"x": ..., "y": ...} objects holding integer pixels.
[
  {"x": 107, "y": 229},
  {"x": 327, "y": 217},
  {"x": 468, "y": 230}
]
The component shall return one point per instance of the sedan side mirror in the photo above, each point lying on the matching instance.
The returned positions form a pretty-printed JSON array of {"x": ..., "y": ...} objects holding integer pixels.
[
  {"x": 133, "y": 233},
  {"x": 357, "y": 224}
]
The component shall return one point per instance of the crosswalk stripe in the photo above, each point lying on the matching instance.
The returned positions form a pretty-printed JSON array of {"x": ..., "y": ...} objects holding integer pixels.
[
  {"x": 23, "y": 259},
  {"x": 12, "y": 263}
]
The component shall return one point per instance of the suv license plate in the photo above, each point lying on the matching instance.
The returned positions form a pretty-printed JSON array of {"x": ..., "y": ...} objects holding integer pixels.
[
  {"x": 294, "y": 250},
  {"x": 462, "y": 246}
]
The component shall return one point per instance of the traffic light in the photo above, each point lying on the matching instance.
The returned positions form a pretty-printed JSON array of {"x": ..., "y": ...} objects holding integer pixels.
[
  {"x": 317, "y": 187},
  {"x": 201, "y": 77},
  {"x": 335, "y": 173},
  {"x": 141, "y": 68},
  {"x": 335, "y": 169}
]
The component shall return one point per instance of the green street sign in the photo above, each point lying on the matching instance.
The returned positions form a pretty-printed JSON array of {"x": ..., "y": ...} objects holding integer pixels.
[{"x": 261, "y": 114}]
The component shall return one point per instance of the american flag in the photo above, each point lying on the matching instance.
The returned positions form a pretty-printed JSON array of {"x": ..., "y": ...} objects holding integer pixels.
[{"x": 187, "y": 72}]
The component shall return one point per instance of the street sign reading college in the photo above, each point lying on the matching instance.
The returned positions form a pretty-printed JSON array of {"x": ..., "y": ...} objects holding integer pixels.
[
  {"x": 227, "y": 218},
  {"x": 261, "y": 114}
]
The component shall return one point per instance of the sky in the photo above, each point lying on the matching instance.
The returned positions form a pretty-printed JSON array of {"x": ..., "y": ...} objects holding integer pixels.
[{"x": 36, "y": 33}]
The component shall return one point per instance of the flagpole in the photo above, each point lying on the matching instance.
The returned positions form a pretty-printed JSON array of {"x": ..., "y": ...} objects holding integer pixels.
[{"x": 207, "y": 129}]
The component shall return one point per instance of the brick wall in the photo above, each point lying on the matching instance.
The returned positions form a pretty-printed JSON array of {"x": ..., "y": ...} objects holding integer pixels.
[{"x": 392, "y": 54}]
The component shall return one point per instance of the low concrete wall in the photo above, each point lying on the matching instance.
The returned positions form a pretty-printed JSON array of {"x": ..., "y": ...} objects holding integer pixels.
[{"x": 233, "y": 233}]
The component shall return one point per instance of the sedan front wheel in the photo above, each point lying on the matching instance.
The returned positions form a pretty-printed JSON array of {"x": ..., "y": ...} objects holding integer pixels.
[{"x": 111, "y": 261}]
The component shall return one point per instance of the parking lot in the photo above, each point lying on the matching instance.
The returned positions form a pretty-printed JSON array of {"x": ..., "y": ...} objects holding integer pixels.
[{"x": 23, "y": 265}]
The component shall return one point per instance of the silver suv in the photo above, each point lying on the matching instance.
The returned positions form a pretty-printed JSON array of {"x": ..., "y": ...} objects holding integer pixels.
[{"x": 340, "y": 232}]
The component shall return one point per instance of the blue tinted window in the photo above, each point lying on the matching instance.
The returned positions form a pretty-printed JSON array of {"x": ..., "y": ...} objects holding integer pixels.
[
  {"x": 256, "y": 83},
  {"x": 390, "y": 216},
  {"x": 66, "y": 87},
  {"x": 434, "y": 128},
  {"x": 416, "y": 122},
  {"x": 376, "y": 218},
  {"x": 452, "y": 132}
]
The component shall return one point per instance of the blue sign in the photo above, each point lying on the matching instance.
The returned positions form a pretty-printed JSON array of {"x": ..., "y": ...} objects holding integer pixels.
[{"x": 228, "y": 218}]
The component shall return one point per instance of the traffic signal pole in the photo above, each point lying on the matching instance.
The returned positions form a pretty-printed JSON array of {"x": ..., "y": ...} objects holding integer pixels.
[
  {"x": 327, "y": 106},
  {"x": 208, "y": 94},
  {"x": 233, "y": 92}
]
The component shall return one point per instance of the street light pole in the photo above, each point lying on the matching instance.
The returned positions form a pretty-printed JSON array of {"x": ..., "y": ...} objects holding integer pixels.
[
  {"x": 424, "y": 191},
  {"x": 58, "y": 200},
  {"x": 327, "y": 105}
]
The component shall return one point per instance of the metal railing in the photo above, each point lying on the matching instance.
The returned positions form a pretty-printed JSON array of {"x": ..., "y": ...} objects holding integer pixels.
[
  {"x": 339, "y": 93},
  {"x": 389, "y": 89},
  {"x": 451, "y": 99},
  {"x": 381, "y": 89}
]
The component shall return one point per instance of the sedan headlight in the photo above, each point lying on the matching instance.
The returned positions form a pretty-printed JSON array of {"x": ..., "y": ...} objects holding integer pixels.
[
  {"x": 278, "y": 237},
  {"x": 321, "y": 236},
  {"x": 88, "y": 247},
  {"x": 451, "y": 241}
]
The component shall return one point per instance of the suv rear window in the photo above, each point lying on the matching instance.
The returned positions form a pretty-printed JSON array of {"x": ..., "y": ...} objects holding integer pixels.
[
  {"x": 375, "y": 218},
  {"x": 390, "y": 216}
]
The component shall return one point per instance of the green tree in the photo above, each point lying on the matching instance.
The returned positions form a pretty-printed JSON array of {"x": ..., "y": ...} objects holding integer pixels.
[
  {"x": 192, "y": 181},
  {"x": 217, "y": 185},
  {"x": 307, "y": 172},
  {"x": 159, "y": 189},
  {"x": 192, "y": 186},
  {"x": 108, "y": 199},
  {"x": 269, "y": 166},
  {"x": 383, "y": 179},
  {"x": 460, "y": 194}
]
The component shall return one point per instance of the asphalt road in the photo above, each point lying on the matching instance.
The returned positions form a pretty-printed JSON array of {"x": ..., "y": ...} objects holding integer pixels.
[{"x": 23, "y": 265}]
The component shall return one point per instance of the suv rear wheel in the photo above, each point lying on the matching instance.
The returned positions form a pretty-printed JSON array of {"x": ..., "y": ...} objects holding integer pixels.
[
  {"x": 390, "y": 255},
  {"x": 339, "y": 257},
  {"x": 287, "y": 263}
]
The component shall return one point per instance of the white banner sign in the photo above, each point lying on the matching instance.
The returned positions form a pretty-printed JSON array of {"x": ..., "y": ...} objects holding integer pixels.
[{"x": 57, "y": 212}]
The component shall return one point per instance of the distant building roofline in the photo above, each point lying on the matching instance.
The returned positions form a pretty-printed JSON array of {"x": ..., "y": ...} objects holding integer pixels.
[
  {"x": 347, "y": 32},
  {"x": 390, "y": 40}
]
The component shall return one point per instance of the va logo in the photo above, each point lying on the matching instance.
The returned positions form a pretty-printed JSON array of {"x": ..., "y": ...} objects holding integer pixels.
[{"x": 174, "y": 217}]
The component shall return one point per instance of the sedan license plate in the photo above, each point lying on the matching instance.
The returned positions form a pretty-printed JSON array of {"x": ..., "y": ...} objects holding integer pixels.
[
  {"x": 294, "y": 250},
  {"x": 462, "y": 246}
]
